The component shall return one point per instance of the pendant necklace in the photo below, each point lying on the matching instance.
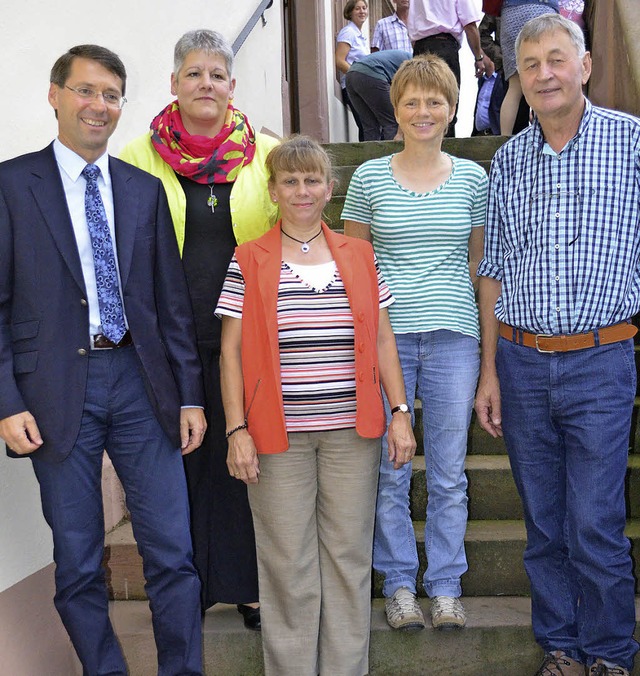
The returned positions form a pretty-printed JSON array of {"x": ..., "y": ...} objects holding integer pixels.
[
  {"x": 305, "y": 245},
  {"x": 212, "y": 200}
]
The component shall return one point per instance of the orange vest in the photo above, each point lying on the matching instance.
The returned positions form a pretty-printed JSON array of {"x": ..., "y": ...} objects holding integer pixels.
[{"x": 260, "y": 262}]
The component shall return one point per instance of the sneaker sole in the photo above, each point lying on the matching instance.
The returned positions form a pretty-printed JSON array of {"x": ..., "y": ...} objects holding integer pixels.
[
  {"x": 448, "y": 625},
  {"x": 410, "y": 626}
]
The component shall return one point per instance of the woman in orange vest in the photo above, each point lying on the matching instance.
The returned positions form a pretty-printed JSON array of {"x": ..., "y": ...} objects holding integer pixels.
[{"x": 306, "y": 345}]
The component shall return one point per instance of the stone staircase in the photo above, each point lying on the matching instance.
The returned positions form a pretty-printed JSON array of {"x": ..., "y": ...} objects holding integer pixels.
[{"x": 498, "y": 638}]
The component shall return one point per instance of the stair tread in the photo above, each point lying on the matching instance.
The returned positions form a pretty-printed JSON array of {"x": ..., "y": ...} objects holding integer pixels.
[
  {"x": 477, "y": 529},
  {"x": 479, "y": 462}
]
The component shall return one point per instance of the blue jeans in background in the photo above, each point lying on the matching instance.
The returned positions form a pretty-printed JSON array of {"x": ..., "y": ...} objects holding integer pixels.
[
  {"x": 566, "y": 419},
  {"x": 441, "y": 369}
]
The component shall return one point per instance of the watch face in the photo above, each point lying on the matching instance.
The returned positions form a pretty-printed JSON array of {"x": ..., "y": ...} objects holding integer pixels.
[{"x": 403, "y": 408}]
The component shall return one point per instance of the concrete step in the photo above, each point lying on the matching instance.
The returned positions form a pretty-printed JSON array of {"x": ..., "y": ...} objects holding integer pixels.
[
  {"x": 478, "y": 149},
  {"x": 492, "y": 492},
  {"x": 494, "y": 553},
  {"x": 497, "y": 640}
]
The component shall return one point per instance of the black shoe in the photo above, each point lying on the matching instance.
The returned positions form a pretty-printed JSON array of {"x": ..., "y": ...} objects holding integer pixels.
[{"x": 251, "y": 616}]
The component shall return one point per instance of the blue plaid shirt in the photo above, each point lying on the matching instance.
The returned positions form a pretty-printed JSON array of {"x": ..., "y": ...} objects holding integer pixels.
[
  {"x": 391, "y": 33},
  {"x": 563, "y": 230}
]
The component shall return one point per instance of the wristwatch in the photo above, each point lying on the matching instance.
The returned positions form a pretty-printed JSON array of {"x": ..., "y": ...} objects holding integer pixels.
[
  {"x": 402, "y": 408},
  {"x": 480, "y": 58}
]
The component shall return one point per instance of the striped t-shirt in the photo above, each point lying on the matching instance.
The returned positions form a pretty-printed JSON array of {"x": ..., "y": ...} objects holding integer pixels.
[
  {"x": 316, "y": 340},
  {"x": 422, "y": 242}
]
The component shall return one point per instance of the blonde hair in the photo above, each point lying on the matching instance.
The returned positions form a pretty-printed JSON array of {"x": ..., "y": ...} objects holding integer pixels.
[
  {"x": 427, "y": 72},
  {"x": 298, "y": 153}
]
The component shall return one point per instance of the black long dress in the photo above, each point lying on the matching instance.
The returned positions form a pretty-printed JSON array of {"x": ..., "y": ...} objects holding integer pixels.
[{"x": 221, "y": 525}]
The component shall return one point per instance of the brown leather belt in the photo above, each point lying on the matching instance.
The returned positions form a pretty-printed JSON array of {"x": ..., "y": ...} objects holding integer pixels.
[
  {"x": 567, "y": 343},
  {"x": 101, "y": 342}
]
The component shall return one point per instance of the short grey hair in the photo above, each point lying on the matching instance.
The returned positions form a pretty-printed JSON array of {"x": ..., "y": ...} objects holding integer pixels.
[
  {"x": 535, "y": 28},
  {"x": 202, "y": 40}
]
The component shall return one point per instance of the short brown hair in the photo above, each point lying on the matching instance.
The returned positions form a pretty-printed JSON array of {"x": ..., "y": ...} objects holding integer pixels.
[
  {"x": 349, "y": 6},
  {"x": 298, "y": 153},
  {"x": 426, "y": 72},
  {"x": 105, "y": 57}
]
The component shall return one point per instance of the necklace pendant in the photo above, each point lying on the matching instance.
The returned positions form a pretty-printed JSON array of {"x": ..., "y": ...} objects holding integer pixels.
[
  {"x": 212, "y": 200},
  {"x": 305, "y": 247}
]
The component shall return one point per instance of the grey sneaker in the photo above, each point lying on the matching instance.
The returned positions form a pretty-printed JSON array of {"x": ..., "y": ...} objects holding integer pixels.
[
  {"x": 599, "y": 668},
  {"x": 556, "y": 663},
  {"x": 447, "y": 612},
  {"x": 403, "y": 611}
]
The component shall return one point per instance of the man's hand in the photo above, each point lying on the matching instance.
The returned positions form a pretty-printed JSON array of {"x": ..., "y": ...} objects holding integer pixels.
[
  {"x": 400, "y": 440},
  {"x": 21, "y": 433},
  {"x": 488, "y": 404},
  {"x": 192, "y": 428}
]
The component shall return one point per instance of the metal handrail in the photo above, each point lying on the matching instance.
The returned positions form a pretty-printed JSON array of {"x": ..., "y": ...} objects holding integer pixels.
[{"x": 244, "y": 33}]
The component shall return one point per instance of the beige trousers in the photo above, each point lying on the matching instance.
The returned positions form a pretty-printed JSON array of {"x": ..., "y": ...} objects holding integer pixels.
[{"x": 313, "y": 513}]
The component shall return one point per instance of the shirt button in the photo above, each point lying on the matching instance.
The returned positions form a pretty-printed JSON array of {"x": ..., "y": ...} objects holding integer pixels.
[
  {"x": 82, "y": 352},
  {"x": 557, "y": 278},
  {"x": 83, "y": 302},
  {"x": 361, "y": 347},
  {"x": 558, "y": 309},
  {"x": 557, "y": 246},
  {"x": 557, "y": 215},
  {"x": 559, "y": 185},
  {"x": 360, "y": 316},
  {"x": 361, "y": 376}
]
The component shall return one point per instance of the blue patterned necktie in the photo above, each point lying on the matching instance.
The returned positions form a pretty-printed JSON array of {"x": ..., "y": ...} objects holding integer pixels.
[{"x": 104, "y": 260}]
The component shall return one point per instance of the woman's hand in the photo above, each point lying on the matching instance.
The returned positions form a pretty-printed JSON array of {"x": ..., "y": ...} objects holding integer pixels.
[
  {"x": 242, "y": 457},
  {"x": 400, "y": 440}
]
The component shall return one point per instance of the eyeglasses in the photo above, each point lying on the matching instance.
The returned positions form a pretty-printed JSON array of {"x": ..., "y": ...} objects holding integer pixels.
[{"x": 111, "y": 100}]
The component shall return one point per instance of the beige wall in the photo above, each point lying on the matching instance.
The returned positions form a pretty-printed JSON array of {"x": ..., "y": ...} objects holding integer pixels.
[{"x": 32, "y": 638}]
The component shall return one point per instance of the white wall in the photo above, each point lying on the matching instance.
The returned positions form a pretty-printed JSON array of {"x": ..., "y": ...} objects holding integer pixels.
[
  {"x": 25, "y": 539},
  {"x": 33, "y": 33}
]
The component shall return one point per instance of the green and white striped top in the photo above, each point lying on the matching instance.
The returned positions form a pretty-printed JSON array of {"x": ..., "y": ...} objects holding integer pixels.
[{"x": 421, "y": 241}]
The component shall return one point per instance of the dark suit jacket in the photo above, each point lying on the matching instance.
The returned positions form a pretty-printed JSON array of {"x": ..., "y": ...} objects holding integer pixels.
[{"x": 44, "y": 316}]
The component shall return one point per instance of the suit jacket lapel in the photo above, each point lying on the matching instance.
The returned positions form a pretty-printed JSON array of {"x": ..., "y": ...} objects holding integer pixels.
[
  {"x": 126, "y": 212},
  {"x": 48, "y": 193}
]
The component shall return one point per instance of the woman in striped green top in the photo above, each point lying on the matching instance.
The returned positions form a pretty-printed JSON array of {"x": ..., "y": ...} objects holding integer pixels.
[{"x": 423, "y": 210}]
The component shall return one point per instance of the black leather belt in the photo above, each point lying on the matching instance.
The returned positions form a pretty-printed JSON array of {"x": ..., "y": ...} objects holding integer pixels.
[{"x": 101, "y": 342}]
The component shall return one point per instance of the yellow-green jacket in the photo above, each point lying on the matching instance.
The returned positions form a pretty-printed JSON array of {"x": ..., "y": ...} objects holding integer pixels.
[{"x": 252, "y": 211}]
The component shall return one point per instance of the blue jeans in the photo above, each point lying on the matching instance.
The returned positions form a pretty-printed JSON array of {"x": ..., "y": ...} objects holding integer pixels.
[
  {"x": 441, "y": 369},
  {"x": 566, "y": 419},
  {"x": 118, "y": 416}
]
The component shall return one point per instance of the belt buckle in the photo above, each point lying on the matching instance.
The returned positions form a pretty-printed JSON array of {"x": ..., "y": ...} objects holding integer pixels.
[{"x": 543, "y": 335}]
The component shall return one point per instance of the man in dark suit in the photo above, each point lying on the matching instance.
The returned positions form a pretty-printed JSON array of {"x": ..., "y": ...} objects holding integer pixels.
[{"x": 97, "y": 350}]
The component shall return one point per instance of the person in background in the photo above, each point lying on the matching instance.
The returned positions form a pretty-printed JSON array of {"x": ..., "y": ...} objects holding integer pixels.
[
  {"x": 515, "y": 13},
  {"x": 574, "y": 11},
  {"x": 437, "y": 27},
  {"x": 351, "y": 45},
  {"x": 368, "y": 83},
  {"x": 391, "y": 31},
  {"x": 492, "y": 89},
  {"x": 423, "y": 210},
  {"x": 211, "y": 163},
  {"x": 306, "y": 345},
  {"x": 98, "y": 351},
  {"x": 559, "y": 284}
]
